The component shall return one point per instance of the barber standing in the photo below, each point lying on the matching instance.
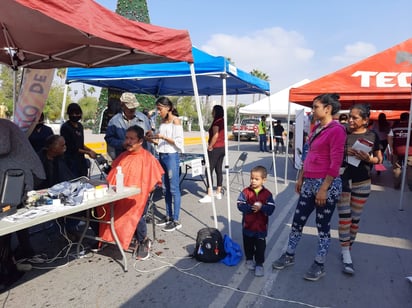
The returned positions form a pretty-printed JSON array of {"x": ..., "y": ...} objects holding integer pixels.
[{"x": 129, "y": 116}]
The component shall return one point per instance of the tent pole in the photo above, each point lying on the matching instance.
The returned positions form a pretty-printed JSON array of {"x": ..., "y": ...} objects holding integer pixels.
[
  {"x": 405, "y": 161},
  {"x": 202, "y": 135},
  {"x": 272, "y": 143},
  {"x": 14, "y": 94},
  {"x": 287, "y": 147},
  {"x": 66, "y": 87},
  {"x": 229, "y": 214}
]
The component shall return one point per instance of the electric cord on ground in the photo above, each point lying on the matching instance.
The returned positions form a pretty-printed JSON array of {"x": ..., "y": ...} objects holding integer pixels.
[{"x": 185, "y": 271}]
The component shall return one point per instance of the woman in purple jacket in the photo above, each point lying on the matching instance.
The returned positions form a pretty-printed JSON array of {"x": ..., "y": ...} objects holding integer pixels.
[{"x": 318, "y": 183}]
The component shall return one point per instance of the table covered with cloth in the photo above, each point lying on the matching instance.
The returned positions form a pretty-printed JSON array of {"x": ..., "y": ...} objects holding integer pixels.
[{"x": 141, "y": 169}]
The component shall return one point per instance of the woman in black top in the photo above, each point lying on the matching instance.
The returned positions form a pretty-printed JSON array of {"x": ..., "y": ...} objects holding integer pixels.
[
  {"x": 356, "y": 179},
  {"x": 73, "y": 132}
]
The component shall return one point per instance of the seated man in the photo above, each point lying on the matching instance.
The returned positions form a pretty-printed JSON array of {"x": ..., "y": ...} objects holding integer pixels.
[
  {"x": 141, "y": 169},
  {"x": 52, "y": 158},
  {"x": 16, "y": 152},
  {"x": 397, "y": 139}
]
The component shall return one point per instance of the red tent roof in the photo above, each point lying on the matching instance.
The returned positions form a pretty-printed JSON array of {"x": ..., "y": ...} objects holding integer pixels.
[
  {"x": 382, "y": 80},
  {"x": 82, "y": 33}
]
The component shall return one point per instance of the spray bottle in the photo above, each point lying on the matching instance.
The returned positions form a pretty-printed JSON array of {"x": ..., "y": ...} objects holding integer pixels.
[{"x": 119, "y": 180}]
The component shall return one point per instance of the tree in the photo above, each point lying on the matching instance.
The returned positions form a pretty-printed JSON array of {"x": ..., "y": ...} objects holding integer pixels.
[
  {"x": 52, "y": 109},
  {"x": 91, "y": 90},
  {"x": 136, "y": 10},
  {"x": 186, "y": 107},
  {"x": 89, "y": 106},
  {"x": 6, "y": 89},
  {"x": 260, "y": 75}
]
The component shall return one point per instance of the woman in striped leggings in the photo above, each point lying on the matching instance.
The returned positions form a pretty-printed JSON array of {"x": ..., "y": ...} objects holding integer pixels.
[{"x": 356, "y": 179}]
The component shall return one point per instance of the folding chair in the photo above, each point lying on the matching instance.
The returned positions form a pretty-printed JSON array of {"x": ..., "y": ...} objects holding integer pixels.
[{"x": 238, "y": 169}]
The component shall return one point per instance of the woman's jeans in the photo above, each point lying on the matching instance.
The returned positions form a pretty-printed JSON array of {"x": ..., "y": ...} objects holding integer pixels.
[{"x": 171, "y": 180}]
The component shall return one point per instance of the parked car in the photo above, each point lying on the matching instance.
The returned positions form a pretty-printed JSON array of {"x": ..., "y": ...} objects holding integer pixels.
[{"x": 248, "y": 128}]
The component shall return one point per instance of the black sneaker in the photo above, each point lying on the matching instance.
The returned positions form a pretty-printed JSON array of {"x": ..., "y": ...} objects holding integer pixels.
[
  {"x": 164, "y": 221},
  {"x": 143, "y": 251},
  {"x": 172, "y": 226},
  {"x": 315, "y": 272}
]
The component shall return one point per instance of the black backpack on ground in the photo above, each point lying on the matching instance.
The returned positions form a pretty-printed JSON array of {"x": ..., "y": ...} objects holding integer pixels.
[{"x": 209, "y": 246}]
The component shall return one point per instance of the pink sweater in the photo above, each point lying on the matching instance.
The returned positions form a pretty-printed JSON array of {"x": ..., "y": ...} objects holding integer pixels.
[{"x": 325, "y": 154}]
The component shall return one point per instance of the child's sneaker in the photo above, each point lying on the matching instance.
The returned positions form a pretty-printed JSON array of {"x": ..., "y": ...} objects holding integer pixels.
[
  {"x": 250, "y": 264},
  {"x": 259, "y": 271}
]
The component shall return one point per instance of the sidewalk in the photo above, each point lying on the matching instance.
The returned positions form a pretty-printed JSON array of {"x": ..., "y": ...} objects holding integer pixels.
[{"x": 382, "y": 257}]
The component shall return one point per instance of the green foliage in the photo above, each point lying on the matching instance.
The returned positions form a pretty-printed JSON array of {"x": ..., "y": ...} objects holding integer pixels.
[
  {"x": 146, "y": 101},
  {"x": 230, "y": 114},
  {"x": 101, "y": 106},
  {"x": 53, "y": 107},
  {"x": 89, "y": 106},
  {"x": 6, "y": 88},
  {"x": 134, "y": 10}
]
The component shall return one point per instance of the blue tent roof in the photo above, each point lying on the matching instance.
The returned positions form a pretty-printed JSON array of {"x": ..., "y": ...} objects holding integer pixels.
[{"x": 173, "y": 78}]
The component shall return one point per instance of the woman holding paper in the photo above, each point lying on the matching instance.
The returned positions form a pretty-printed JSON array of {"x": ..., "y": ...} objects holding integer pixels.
[
  {"x": 362, "y": 151},
  {"x": 318, "y": 184}
]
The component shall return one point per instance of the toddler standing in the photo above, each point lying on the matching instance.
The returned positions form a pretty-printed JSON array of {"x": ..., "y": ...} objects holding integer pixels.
[{"x": 256, "y": 204}]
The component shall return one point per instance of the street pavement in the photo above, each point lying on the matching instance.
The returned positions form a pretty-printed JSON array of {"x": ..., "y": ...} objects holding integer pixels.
[{"x": 382, "y": 257}]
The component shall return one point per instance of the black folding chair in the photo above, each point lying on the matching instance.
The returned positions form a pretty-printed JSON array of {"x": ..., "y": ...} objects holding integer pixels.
[{"x": 237, "y": 169}]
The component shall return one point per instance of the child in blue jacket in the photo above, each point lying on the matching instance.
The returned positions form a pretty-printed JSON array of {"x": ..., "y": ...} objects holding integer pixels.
[{"x": 257, "y": 204}]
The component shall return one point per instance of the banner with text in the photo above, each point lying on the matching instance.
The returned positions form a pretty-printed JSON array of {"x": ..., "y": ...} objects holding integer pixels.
[{"x": 33, "y": 94}]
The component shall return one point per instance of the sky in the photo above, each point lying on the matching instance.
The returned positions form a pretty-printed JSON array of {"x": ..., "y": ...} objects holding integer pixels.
[{"x": 287, "y": 40}]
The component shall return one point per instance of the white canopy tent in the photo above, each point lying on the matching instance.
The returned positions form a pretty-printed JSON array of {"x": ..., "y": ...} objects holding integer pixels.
[{"x": 276, "y": 104}]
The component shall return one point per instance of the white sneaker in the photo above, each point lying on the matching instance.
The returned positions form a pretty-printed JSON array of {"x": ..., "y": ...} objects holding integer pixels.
[
  {"x": 218, "y": 196},
  {"x": 250, "y": 265},
  {"x": 206, "y": 199}
]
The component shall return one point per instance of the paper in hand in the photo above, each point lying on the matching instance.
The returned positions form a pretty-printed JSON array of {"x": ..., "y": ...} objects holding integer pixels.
[{"x": 360, "y": 145}]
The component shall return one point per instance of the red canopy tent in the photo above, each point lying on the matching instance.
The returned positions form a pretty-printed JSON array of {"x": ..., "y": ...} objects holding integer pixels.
[
  {"x": 382, "y": 80},
  {"x": 82, "y": 33}
]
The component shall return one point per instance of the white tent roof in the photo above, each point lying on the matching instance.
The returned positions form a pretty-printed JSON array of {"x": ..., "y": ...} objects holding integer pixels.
[{"x": 279, "y": 102}]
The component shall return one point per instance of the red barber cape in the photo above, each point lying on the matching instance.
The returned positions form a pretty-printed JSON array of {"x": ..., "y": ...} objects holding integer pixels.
[{"x": 141, "y": 169}]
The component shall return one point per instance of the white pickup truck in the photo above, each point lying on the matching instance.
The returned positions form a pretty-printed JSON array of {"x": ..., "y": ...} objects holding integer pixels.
[{"x": 248, "y": 128}]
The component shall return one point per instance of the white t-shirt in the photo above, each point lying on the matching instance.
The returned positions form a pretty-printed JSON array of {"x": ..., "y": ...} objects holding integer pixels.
[{"x": 172, "y": 131}]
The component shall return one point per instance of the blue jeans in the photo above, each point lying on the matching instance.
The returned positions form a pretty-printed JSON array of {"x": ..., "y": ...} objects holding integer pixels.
[
  {"x": 171, "y": 181},
  {"x": 262, "y": 143}
]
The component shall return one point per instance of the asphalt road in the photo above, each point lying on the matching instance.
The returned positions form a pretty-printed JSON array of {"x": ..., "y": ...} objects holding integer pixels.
[{"x": 382, "y": 257}]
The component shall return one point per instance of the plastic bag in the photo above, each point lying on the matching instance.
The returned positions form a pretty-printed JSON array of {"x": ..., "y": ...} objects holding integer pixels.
[
  {"x": 70, "y": 193},
  {"x": 233, "y": 252}
]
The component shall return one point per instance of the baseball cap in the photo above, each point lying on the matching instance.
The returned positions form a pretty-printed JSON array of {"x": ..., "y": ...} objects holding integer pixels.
[{"x": 129, "y": 100}]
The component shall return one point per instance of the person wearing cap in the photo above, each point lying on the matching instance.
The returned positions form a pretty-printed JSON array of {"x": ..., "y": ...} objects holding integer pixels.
[{"x": 129, "y": 116}]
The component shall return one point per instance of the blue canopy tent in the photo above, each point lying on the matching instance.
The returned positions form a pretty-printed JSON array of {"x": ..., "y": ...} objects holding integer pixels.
[
  {"x": 214, "y": 75},
  {"x": 173, "y": 78}
]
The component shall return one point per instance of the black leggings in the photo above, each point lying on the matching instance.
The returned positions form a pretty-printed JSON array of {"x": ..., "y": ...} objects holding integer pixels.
[{"x": 216, "y": 163}]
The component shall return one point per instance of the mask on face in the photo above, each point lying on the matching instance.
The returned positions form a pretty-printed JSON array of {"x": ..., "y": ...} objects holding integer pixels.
[{"x": 75, "y": 118}]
